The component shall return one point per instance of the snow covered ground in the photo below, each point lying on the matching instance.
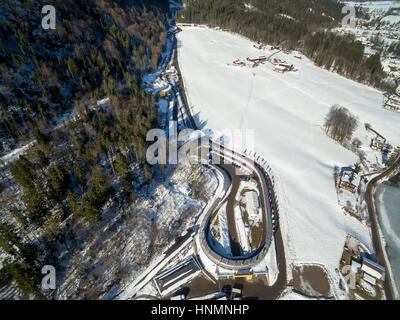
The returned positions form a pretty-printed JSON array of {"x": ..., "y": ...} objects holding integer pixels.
[
  {"x": 392, "y": 19},
  {"x": 128, "y": 247},
  {"x": 14, "y": 154},
  {"x": 242, "y": 232},
  {"x": 289, "y": 294},
  {"x": 374, "y": 6},
  {"x": 224, "y": 230},
  {"x": 287, "y": 113}
]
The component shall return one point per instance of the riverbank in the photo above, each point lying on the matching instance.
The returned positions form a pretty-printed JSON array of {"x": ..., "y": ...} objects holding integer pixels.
[
  {"x": 381, "y": 256},
  {"x": 387, "y": 199}
]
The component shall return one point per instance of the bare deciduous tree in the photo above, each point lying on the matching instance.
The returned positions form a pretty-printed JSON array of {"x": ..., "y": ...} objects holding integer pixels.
[{"x": 340, "y": 124}]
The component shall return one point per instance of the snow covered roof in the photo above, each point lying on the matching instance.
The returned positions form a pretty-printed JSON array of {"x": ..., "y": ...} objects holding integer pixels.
[
  {"x": 348, "y": 177},
  {"x": 378, "y": 139},
  {"x": 252, "y": 205},
  {"x": 373, "y": 269},
  {"x": 252, "y": 199},
  {"x": 369, "y": 279}
]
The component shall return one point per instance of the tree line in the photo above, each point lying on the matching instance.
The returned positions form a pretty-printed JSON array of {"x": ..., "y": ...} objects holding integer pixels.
[{"x": 299, "y": 25}]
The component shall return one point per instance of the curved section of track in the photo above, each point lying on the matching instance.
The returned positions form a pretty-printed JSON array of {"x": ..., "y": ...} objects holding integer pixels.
[
  {"x": 267, "y": 198},
  {"x": 254, "y": 258}
]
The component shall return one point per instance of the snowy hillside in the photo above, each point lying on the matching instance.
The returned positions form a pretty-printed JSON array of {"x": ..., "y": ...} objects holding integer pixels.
[{"x": 287, "y": 112}]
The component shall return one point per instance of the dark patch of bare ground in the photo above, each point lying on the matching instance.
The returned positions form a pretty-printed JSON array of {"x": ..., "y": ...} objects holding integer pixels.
[
  {"x": 201, "y": 286},
  {"x": 311, "y": 281},
  {"x": 256, "y": 236},
  {"x": 254, "y": 289}
]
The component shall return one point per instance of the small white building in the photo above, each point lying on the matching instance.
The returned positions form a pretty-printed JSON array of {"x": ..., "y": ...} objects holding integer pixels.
[
  {"x": 283, "y": 67},
  {"x": 349, "y": 180},
  {"x": 391, "y": 102},
  {"x": 252, "y": 204},
  {"x": 372, "y": 269},
  {"x": 378, "y": 143},
  {"x": 369, "y": 279}
]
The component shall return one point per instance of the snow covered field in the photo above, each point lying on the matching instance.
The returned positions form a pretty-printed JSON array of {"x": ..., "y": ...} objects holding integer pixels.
[
  {"x": 287, "y": 113},
  {"x": 391, "y": 19},
  {"x": 374, "y": 6}
]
